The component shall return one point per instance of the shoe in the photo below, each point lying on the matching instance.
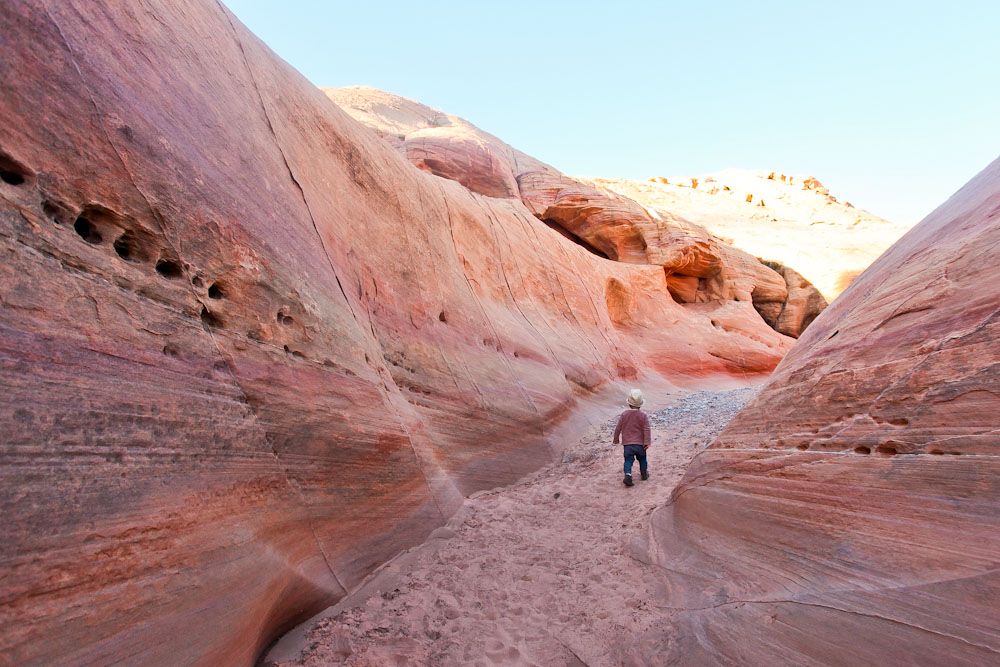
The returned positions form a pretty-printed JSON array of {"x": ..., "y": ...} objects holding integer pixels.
[
  {"x": 628, "y": 480},
  {"x": 644, "y": 474}
]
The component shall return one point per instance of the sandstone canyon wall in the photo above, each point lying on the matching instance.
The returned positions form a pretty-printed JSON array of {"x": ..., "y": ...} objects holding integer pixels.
[
  {"x": 699, "y": 267},
  {"x": 850, "y": 514},
  {"x": 249, "y": 352}
]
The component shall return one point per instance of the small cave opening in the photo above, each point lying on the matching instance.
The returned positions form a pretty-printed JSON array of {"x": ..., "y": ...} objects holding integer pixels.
[
  {"x": 885, "y": 450},
  {"x": 87, "y": 230},
  {"x": 803, "y": 447},
  {"x": 11, "y": 177},
  {"x": 684, "y": 288},
  {"x": 862, "y": 450},
  {"x": 210, "y": 319},
  {"x": 284, "y": 318},
  {"x": 215, "y": 291},
  {"x": 441, "y": 317},
  {"x": 169, "y": 269},
  {"x": 553, "y": 224},
  {"x": 53, "y": 211},
  {"x": 12, "y": 172},
  {"x": 128, "y": 248}
]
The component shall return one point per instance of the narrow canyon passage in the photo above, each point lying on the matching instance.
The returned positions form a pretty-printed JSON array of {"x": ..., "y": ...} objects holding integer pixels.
[{"x": 544, "y": 572}]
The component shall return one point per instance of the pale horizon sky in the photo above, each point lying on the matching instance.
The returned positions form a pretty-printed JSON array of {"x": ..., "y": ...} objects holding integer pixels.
[{"x": 892, "y": 105}]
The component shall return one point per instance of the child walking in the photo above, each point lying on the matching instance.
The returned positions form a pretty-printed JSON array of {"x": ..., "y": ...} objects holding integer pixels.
[{"x": 633, "y": 429}]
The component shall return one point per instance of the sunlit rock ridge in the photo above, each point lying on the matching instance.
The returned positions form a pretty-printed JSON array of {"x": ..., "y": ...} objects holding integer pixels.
[{"x": 792, "y": 220}]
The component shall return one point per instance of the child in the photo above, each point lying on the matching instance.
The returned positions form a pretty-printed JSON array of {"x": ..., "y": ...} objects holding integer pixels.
[{"x": 633, "y": 428}]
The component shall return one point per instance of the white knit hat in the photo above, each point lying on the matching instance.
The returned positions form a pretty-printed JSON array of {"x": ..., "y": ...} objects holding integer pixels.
[{"x": 635, "y": 398}]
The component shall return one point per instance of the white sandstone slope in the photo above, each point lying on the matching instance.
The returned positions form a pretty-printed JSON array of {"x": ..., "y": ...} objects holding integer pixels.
[{"x": 792, "y": 220}]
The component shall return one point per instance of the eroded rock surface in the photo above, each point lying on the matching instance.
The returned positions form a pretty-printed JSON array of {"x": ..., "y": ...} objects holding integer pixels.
[
  {"x": 850, "y": 514},
  {"x": 792, "y": 220},
  {"x": 699, "y": 267},
  {"x": 249, "y": 352}
]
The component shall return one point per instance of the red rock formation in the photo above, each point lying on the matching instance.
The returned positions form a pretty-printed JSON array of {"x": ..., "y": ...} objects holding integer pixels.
[
  {"x": 699, "y": 267},
  {"x": 800, "y": 307},
  {"x": 851, "y": 513},
  {"x": 249, "y": 352},
  {"x": 791, "y": 219}
]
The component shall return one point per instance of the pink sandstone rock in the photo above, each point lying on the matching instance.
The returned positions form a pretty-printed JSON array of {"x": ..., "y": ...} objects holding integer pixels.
[
  {"x": 249, "y": 352},
  {"x": 608, "y": 224},
  {"x": 791, "y": 220},
  {"x": 850, "y": 514}
]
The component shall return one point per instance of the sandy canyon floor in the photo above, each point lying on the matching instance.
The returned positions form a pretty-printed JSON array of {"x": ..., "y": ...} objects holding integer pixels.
[{"x": 544, "y": 572}]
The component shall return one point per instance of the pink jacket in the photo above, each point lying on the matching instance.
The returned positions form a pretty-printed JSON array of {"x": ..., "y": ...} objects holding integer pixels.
[{"x": 633, "y": 427}]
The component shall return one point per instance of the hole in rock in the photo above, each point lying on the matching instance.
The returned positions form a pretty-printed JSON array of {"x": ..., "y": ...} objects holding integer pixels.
[
  {"x": 11, "y": 177},
  {"x": 285, "y": 318},
  {"x": 862, "y": 450},
  {"x": 209, "y": 319},
  {"x": 936, "y": 452},
  {"x": 886, "y": 450},
  {"x": 556, "y": 495},
  {"x": 715, "y": 323},
  {"x": 12, "y": 172},
  {"x": 53, "y": 211},
  {"x": 442, "y": 317},
  {"x": 834, "y": 334},
  {"x": 802, "y": 447},
  {"x": 127, "y": 248},
  {"x": 171, "y": 350},
  {"x": 553, "y": 224},
  {"x": 215, "y": 291},
  {"x": 87, "y": 231},
  {"x": 899, "y": 421},
  {"x": 169, "y": 269},
  {"x": 196, "y": 281}
]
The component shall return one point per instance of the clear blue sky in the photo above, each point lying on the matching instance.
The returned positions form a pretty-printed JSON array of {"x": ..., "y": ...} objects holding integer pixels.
[{"x": 893, "y": 105}]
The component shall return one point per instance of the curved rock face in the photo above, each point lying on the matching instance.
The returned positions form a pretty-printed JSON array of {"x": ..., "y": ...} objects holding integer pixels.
[
  {"x": 249, "y": 352},
  {"x": 699, "y": 267},
  {"x": 793, "y": 220},
  {"x": 800, "y": 307},
  {"x": 851, "y": 513}
]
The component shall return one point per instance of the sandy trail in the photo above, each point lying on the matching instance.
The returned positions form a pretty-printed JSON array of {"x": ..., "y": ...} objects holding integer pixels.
[{"x": 539, "y": 573}]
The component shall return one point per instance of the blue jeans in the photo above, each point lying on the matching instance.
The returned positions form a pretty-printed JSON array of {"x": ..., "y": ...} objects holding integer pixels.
[{"x": 634, "y": 452}]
